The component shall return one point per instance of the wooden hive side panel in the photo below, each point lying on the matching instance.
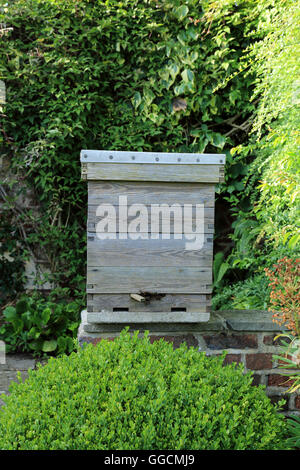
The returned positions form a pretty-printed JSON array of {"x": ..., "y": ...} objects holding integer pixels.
[
  {"x": 152, "y": 302},
  {"x": 147, "y": 252},
  {"x": 148, "y": 172},
  {"x": 159, "y": 261},
  {"x": 108, "y": 192},
  {"x": 163, "y": 279}
]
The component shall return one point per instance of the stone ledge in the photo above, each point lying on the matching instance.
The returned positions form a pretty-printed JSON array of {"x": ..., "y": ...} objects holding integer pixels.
[
  {"x": 106, "y": 317},
  {"x": 18, "y": 362},
  {"x": 222, "y": 320},
  {"x": 243, "y": 320}
]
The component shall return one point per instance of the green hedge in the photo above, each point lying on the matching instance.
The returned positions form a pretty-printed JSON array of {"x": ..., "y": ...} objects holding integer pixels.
[{"x": 131, "y": 394}]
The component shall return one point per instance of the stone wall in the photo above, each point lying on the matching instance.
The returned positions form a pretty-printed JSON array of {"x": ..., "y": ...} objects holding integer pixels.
[
  {"x": 35, "y": 269},
  {"x": 13, "y": 364},
  {"x": 247, "y": 336}
]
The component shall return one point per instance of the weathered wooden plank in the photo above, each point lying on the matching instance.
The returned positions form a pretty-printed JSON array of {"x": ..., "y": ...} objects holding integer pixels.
[
  {"x": 147, "y": 317},
  {"x": 190, "y": 302},
  {"x": 129, "y": 157},
  {"x": 102, "y": 192},
  {"x": 165, "y": 280},
  {"x": 150, "y": 172},
  {"x": 147, "y": 252}
]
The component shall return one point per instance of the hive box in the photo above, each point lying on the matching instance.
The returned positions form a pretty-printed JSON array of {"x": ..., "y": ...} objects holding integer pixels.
[{"x": 149, "y": 237}]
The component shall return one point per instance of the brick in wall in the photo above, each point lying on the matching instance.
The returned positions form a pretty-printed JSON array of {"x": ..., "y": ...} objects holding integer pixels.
[
  {"x": 177, "y": 340},
  {"x": 277, "y": 380},
  {"x": 259, "y": 361},
  {"x": 231, "y": 341},
  {"x": 230, "y": 358}
]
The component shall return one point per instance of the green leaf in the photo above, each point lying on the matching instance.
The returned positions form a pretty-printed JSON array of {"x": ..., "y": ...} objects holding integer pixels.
[
  {"x": 222, "y": 271},
  {"x": 36, "y": 345},
  {"x": 21, "y": 306},
  {"x": 181, "y": 12},
  {"x": 73, "y": 326},
  {"x": 45, "y": 315},
  {"x": 49, "y": 346},
  {"x": 219, "y": 140},
  {"x": 34, "y": 333},
  {"x": 136, "y": 100},
  {"x": 188, "y": 75},
  {"x": 27, "y": 317},
  {"x": 239, "y": 185},
  {"x": 196, "y": 132},
  {"x": 10, "y": 313},
  {"x": 62, "y": 343},
  {"x": 180, "y": 89},
  {"x": 173, "y": 70},
  {"x": 148, "y": 96},
  {"x": 218, "y": 260},
  {"x": 293, "y": 241}
]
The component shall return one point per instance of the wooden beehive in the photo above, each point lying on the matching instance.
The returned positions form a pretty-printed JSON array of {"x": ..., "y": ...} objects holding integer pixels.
[{"x": 150, "y": 277}]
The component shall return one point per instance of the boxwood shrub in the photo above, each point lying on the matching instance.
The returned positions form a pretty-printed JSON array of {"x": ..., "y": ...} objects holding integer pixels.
[{"x": 131, "y": 394}]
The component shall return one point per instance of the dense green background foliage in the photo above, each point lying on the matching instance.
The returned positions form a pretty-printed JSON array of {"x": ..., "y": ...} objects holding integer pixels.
[
  {"x": 165, "y": 76},
  {"x": 131, "y": 394},
  {"x": 270, "y": 227},
  {"x": 109, "y": 75}
]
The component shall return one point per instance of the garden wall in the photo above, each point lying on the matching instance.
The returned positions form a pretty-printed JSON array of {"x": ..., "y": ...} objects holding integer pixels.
[
  {"x": 246, "y": 335},
  {"x": 9, "y": 370}
]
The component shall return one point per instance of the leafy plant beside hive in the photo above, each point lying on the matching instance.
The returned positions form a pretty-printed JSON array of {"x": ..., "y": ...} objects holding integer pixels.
[
  {"x": 131, "y": 394},
  {"x": 41, "y": 324},
  {"x": 266, "y": 226},
  {"x": 285, "y": 293},
  {"x": 285, "y": 300}
]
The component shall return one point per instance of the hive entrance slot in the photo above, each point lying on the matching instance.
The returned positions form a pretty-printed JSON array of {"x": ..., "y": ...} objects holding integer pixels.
[
  {"x": 178, "y": 309},
  {"x": 120, "y": 309}
]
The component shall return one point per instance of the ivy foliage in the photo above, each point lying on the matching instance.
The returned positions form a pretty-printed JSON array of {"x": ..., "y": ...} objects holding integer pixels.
[
  {"x": 131, "y": 394},
  {"x": 113, "y": 75},
  {"x": 111, "y": 72},
  {"x": 152, "y": 76}
]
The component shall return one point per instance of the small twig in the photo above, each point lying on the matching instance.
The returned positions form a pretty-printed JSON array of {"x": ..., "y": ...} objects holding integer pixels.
[{"x": 17, "y": 211}]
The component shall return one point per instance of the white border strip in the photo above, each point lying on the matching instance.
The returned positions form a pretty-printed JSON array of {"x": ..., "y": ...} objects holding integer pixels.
[{"x": 112, "y": 156}]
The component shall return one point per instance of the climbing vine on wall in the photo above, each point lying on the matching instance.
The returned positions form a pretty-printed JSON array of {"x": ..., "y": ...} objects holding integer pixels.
[
  {"x": 115, "y": 75},
  {"x": 147, "y": 75}
]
